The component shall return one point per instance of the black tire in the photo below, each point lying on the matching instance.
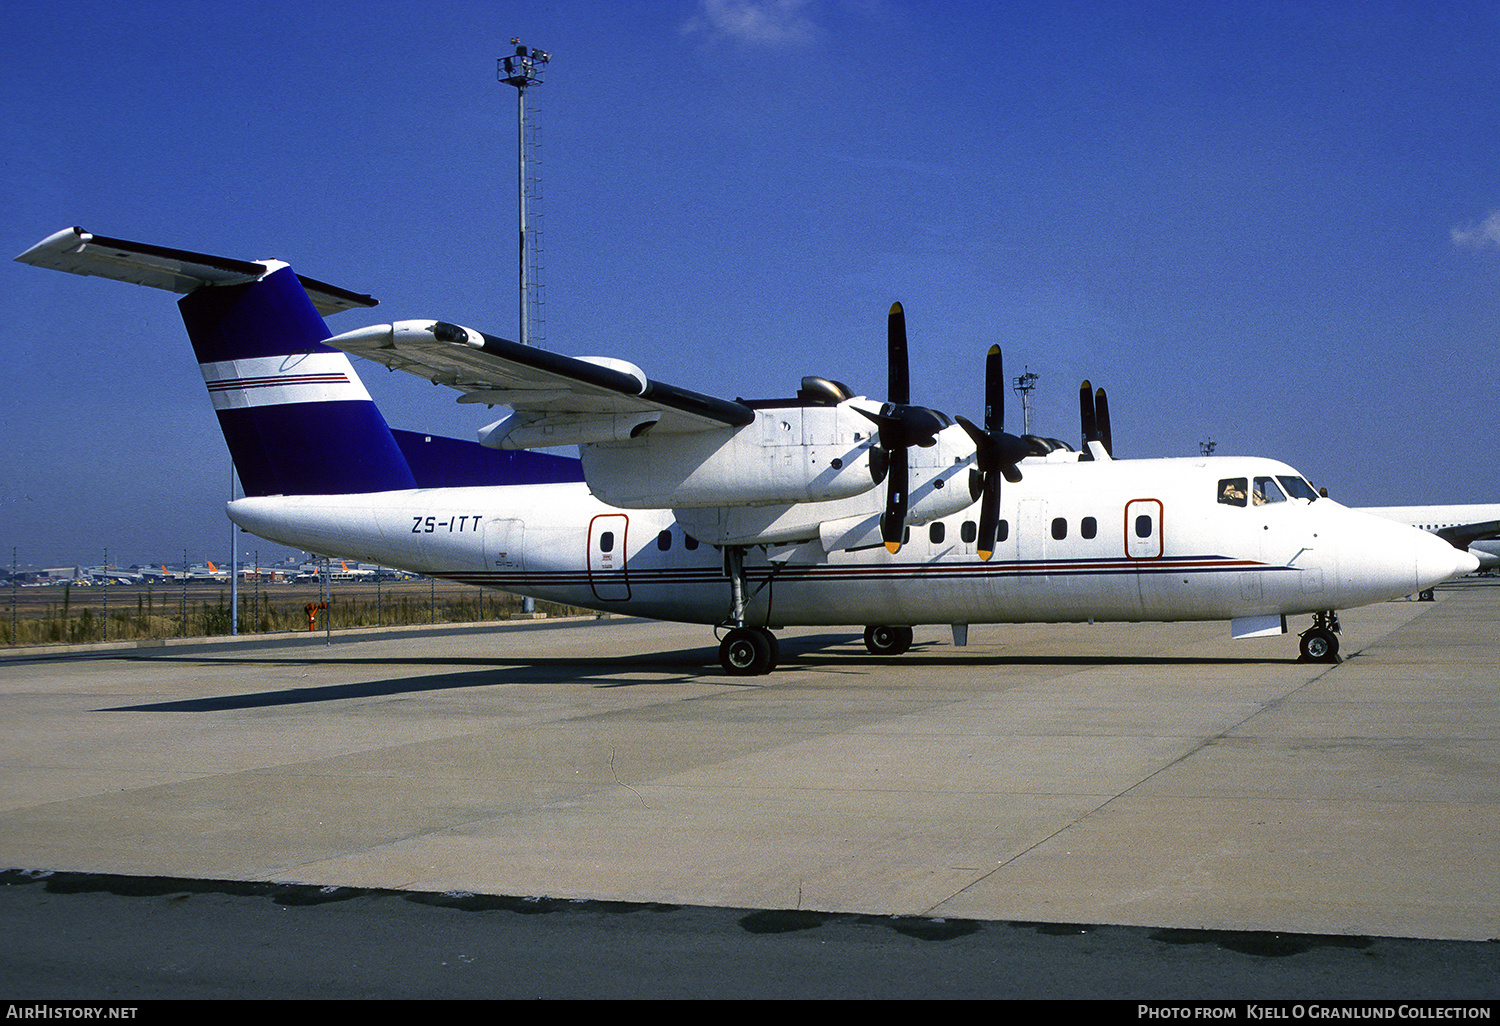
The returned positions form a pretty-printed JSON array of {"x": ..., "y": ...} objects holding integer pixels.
[
  {"x": 747, "y": 652},
  {"x": 887, "y": 641},
  {"x": 1320, "y": 645}
]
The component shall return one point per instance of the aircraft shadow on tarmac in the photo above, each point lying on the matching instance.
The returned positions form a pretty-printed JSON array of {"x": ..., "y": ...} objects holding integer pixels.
[{"x": 680, "y": 666}]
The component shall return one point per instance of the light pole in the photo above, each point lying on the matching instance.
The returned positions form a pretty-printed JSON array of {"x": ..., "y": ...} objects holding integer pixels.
[
  {"x": 523, "y": 69},
  {"x": 1024, "y": 386}
]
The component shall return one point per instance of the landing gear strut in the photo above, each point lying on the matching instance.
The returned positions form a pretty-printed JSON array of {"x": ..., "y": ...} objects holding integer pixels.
[
  {"x": 1320, "y": 643},
  {"x": 745, "y": 651}
]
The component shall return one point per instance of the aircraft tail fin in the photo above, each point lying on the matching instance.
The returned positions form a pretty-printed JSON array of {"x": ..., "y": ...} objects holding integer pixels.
[{"x": 296, "y": 416}]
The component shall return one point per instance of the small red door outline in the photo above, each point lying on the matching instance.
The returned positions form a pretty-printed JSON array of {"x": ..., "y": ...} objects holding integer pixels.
[{"x": 608, "y": 574}]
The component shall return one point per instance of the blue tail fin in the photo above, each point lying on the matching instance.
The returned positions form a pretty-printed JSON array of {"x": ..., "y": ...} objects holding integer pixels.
[{"x": 297, "y": 418}]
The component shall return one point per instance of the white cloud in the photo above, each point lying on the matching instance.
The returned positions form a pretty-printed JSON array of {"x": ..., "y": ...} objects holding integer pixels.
[
  {"x": 759, "y": 22},
  {"x": 1486, "y": 233}
]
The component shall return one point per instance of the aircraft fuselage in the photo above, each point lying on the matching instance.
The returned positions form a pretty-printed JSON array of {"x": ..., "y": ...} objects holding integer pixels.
[{"x": 1121, "y": 540}]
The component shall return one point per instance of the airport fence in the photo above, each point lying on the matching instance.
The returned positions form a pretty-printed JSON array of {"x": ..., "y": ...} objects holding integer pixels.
[{"x": 73, "y": 613}]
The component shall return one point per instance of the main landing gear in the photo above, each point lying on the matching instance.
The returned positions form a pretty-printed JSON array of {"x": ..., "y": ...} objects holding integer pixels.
[
  {"x": 1320, "y": 642},
  {"x": 887, "y": 641},
  {"x": 745, "y": 651},
  {"x": 749, "y": 652}
]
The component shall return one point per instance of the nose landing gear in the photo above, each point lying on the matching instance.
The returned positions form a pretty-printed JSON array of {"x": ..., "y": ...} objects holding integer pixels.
[{"x": 1320, "y": 642}]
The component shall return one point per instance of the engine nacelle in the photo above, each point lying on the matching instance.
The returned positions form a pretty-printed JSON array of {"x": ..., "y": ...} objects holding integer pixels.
[
  {"x": 791, "y": 454},
  {"x": 939, "y": 487}
]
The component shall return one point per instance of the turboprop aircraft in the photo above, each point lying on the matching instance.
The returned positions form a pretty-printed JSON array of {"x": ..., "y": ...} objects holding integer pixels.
[{"x": 826, "y": 508}]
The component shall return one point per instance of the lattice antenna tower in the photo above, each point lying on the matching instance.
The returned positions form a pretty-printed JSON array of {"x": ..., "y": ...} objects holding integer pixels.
[{"x": 523, "y": 69}]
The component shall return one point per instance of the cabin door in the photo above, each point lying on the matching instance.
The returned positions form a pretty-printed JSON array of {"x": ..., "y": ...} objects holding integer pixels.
[
  {"x": 1143, "y": 529},
  {"x": 606, "y": 557}
]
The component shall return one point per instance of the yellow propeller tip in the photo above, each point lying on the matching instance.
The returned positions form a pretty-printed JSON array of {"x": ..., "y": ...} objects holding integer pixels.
[
  {"x": 985, "y": 555},
  {"x": 893, "y": 547}
]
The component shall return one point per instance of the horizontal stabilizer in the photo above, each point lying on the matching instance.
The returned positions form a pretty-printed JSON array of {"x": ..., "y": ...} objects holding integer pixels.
[{"x": 79, "y": 252}]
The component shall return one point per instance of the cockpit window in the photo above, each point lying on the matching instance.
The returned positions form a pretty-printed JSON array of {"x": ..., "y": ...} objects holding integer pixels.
[
  {"x": 1232, "y": 491},
  {"x": 1297, "y": 487},
  {"x": 1267, "y": 491}
]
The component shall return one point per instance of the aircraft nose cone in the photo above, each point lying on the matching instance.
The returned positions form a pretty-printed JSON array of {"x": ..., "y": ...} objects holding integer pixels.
[{"x": 1437, "y": 561}]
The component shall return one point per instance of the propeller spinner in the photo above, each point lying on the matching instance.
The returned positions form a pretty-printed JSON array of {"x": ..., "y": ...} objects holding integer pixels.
[{"x": 996, "y": 451}]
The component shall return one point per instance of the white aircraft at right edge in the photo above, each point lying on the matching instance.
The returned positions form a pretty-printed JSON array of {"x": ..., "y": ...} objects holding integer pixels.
[{"x": 826, "y": 508}]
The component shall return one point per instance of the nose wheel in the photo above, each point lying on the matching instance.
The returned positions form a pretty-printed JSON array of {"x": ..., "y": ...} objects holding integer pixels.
[{"x": 1320, "y": 643}]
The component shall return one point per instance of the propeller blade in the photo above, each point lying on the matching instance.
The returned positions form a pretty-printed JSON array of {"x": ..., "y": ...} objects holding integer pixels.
[
  {"x": 996, "y": 452},
  {"x": 893, "y": 522},
  {"x": 989, "y": 517},
  {"x": 1101, "y": 406},
  {"x": 898, "y": 379},
  {"x": 994, "y": 390},
  {"x": 1088, "y": 416}
]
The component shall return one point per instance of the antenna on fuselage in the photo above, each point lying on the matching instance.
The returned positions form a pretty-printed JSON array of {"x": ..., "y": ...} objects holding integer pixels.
[{"x": 523, "y": 69}]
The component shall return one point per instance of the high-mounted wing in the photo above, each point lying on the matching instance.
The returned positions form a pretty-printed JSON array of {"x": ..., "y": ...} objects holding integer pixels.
[
  {"x": 79, "y": 252},
  {"x": 559, "y": 400}
]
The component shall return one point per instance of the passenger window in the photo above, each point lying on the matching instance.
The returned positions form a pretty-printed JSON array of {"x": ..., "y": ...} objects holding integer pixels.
[
  {"x": 1232, "y": 491},
  {"x": 1089, "y": 527},
  {"x": 968, "y": 531},
  {"x": 1059, "y": 529},
  {"x": 1267, "y": 491},
  {"x": 689, "y": 542},
  {"x": 1002, "y": 531},
  {"x": 607, "y": 541},
  {"x": 935, "y": 532},
  {"x": 664, "y": 540},
  {"x": 1143, "y": 526}
]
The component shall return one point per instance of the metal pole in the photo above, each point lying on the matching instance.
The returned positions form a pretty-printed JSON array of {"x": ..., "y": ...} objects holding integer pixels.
[
  {"x": 525, "y": 338},
  {"x": 234, "y": 568}
]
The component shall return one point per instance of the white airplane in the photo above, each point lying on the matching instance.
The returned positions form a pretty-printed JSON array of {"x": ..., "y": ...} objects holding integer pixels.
[
  {"x": 1472, "y": 526},
  {"x": 824, "y": 509}
]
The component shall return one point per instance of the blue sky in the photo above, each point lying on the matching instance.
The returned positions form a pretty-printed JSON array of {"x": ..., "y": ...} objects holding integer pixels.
[{"x": 1272, "y": 225}]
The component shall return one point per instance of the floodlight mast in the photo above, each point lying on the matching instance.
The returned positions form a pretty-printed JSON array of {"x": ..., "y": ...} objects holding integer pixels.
[
  {"x": 522, "y": 69},
  {"x": 1024, "y": 386}
]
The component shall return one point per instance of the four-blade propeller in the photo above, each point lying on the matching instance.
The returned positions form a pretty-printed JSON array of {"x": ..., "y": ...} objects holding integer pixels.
[
  {"x": 901, "y": 426},
  {"x": 996, "y": 451}
]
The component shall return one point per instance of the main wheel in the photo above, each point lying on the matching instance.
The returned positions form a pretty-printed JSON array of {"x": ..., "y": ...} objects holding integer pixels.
[
  {"x": 747, "y": 652},
  {"x": 1320, "y": 645},
  {"x": 884, "y": 640}
]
